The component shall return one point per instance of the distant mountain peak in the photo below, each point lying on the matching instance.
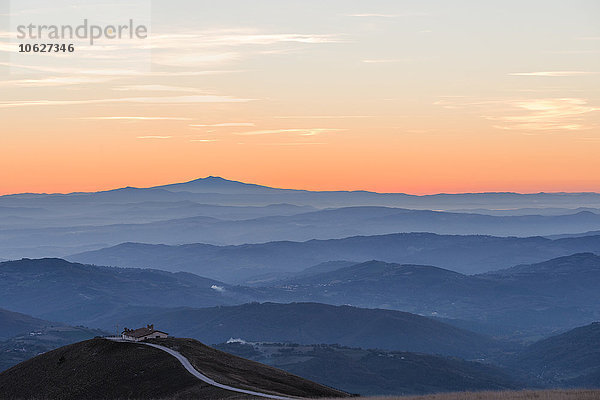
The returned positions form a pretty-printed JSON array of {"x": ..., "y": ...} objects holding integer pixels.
[
  {"x": 209, "y": 179},
  {"x": 213, "y": 178},
  {"x": 216, "y": 184}
]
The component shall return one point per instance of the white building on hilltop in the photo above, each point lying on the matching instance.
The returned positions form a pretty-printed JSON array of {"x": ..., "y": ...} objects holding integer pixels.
[{"x": 140, "y": 334}]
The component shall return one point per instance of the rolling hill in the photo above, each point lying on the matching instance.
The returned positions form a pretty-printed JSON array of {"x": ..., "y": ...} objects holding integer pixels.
[
  {"x": 570, "y": 281},
  {"x": 12, "y": 323},
  {"x": 570, "y": 359},
  {"x": 310, "y": 323},
  {"x": 545, "y": 297},
  {"x": 376, "y": 372},
  {"x": 419, "y": 289},
  {"x": 29, "y": 344},
  {"x": 523, "y": 302},
  {"x": 81, "y": 371},
  {"x": 58, "y": 290}
]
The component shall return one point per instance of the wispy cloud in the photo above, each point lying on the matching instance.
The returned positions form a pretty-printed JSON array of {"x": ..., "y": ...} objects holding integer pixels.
[
  {"x": 138, "y": 118},
  {"x": 188, "y": 50},
  {"x": 546, "y": 114},
  {"x": 148, "y": 100},
  {"x": 54, "y": 81},
  {"x": 237, "y": 37},
  {"x": 221, "y": 46},
  {"x": 293, "y": 144},
  {"x": 553, "y": 73},
  {"x": 204, "y": 140},
  {"x": 300, "y": 131},
  {"x": 224, "y": 124},
  {"x": 390, "y": 15},
  {"x": 457, "y": 102},
  {"x": 572, "y": 51},
  {"x": 155, "y": 88},
  {"x": 381, "y": 60},
  {"x": 542, "y": 114},
  {"x": 190, "y": 60},
  {"x": 114, "y": 72},
  {"x": 322, "y": 116}
]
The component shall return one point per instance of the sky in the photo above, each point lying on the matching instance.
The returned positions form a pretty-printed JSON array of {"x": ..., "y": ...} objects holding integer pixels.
[{"x": 391, "y": 96}]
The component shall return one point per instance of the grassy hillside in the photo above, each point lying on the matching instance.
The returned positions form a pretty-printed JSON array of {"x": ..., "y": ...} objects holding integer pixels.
[
  {"x": 239, "y": 372},
  {"x": 521, "y": 395},
  {"x": 101, "y": 369}
]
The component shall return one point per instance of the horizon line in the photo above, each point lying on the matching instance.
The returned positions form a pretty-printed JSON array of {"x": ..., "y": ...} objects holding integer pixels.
[{"x": 160, "y": 186}]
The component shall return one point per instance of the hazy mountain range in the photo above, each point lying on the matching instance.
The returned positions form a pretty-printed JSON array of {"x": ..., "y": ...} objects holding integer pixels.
[
  {"x": 527, "y": 301},
  {"x": 270, "y": 261},
  {"x": 523, "y": 301},
  {"x": 419, "y": 278},
  {"x": 217, "y": 211}
]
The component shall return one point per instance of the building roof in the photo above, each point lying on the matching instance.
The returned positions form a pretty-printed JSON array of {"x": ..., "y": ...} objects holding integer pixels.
[{"x": 141, "y": 332}]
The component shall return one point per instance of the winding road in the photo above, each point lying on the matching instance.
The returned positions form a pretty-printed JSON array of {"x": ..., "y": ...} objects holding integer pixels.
[{"x": 188, "y": 366}]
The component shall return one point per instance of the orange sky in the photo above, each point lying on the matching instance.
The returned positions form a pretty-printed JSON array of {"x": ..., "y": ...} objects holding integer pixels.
[{"x": 391, "y": 96}]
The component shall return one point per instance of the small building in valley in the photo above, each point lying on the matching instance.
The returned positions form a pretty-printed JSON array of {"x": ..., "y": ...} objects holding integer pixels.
[{"x": 140, "y": 334}]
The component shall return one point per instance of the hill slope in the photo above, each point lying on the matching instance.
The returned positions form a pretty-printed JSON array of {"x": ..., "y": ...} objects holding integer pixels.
[
  {"x": 570, "y": 359},
  {"x": 371, "y": 372},
  {"x": 59, "y": 290},
  {"x": 420, "y": 289},
  {"x": 556, "y": 294},
  {"x": 25, "y": 346},
  {"x": 319, "y": 323},
  {"x": 81, "y": 371},
  {"x": 574, "y": 277},
  {"x": 12, "y": 323}
]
